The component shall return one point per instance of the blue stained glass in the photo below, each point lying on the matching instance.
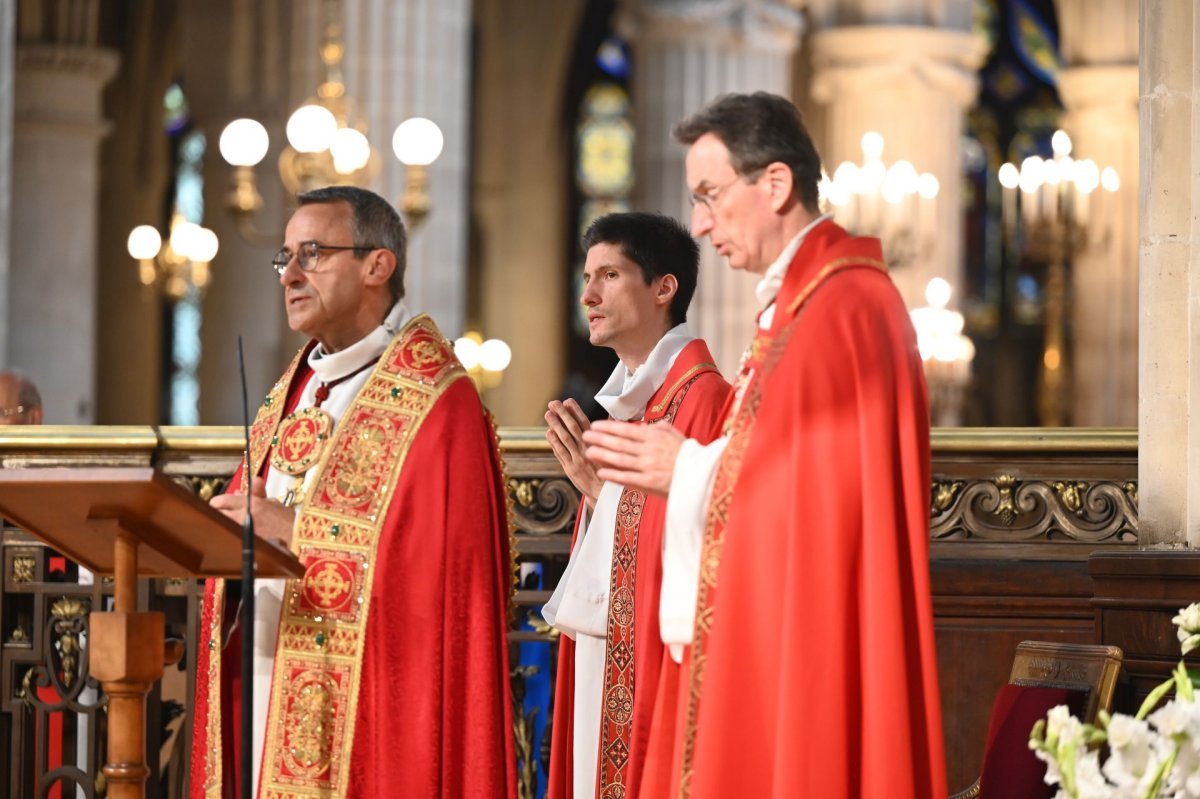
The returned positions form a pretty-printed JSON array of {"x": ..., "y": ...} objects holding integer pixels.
[
  {"x": 613, "y": 57},
  {"x": 1034, "y": 41}
]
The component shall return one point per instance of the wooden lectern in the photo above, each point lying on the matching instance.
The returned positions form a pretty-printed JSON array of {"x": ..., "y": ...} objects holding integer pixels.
[{"x": 131, "y": 522}]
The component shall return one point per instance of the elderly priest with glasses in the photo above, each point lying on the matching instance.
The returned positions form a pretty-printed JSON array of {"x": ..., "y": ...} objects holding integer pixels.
[{"x": 383, "y": 672}]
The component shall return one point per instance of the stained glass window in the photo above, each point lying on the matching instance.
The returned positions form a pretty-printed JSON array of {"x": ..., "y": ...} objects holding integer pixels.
[
  {"x": 1017, "y": 112},
  {"x": 184, "y": 316}
]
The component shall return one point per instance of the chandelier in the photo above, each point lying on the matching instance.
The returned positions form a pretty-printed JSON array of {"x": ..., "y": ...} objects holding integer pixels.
[
  {"x": 485, "y": 361},
  {"x": 945, "y": 352},
  {"x": 1049, "y": 208},
  {"x": 182, "y": 264},
  {"x": 327, "y": 142},
  {"x": 895, "y": 203}
]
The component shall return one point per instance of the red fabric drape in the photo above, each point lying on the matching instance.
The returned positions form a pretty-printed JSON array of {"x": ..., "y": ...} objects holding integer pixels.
[{"x": 820, "y": 673}]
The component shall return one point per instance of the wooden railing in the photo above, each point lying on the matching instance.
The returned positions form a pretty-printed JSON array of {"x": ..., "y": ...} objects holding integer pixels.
[{"x": 998, "y": 496}]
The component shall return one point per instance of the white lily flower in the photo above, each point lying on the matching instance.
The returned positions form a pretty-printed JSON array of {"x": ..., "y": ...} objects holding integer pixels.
[
  {"x": 1173, "y": 718},
  {"x": 1089, "y": 781},
  {"x": 1188, "y": 622}
]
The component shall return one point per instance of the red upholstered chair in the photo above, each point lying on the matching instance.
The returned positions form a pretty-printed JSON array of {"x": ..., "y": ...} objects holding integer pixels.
[{"x": 1080, "y": 676}]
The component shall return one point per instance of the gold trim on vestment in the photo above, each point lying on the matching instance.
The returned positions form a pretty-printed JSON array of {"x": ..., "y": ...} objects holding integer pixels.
[
  {"x": 322, "y": 626},
  {"x": 213, "y": 761},
  {"x": 688, "y": 375},
  {"x": 620, "y": 649},
  {"x": 318, "y": 663}
]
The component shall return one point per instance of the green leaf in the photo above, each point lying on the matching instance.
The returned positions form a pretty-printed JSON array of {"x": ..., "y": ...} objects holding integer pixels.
[
  {"x": 1154, "y": 698},
  {"x": 1160, "y": 776},
  {"x": 1183, "y": 683}
]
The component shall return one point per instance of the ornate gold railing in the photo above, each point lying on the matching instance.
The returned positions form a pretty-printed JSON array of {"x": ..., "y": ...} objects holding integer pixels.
[{"x": 996, "y": 493}]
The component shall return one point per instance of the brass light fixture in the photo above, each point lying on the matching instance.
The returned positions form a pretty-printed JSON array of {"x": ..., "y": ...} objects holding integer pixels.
[
  {"x": 179, "y": 266},
  {"x": 327, "y": 141},
  {"x": 1049, "y": 211}
]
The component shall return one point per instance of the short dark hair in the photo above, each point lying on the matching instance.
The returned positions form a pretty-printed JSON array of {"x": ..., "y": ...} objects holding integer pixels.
[
  {"x": 656, "y": 243},
  {"x": 375, "y": 224},
  {"x": 759, "y": 129}
]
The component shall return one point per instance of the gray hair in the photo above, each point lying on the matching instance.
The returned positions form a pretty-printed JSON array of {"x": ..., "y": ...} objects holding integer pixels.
[{"x": 375, "y": 225}]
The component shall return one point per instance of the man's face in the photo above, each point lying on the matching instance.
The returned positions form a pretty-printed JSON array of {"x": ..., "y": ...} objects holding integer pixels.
[
  {"x": 10, "y": 400},
  {"x": 622, "y": 311},
  {"x": 732, "y": 212},
  {"x": 324, "y": 303}
]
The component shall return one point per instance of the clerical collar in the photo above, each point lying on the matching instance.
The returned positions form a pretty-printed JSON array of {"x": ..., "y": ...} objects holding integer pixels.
[
  {"x": 331, "y": 366},
  {"x": 772, "y": 279},
  {"x": 625, "y": 395}
]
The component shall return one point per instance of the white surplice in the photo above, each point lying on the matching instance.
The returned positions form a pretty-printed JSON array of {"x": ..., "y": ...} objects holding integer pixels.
[{"x": 579, "y": 605}]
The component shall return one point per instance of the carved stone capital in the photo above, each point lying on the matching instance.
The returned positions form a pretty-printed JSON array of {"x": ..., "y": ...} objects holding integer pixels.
[
  {"x": 861, "y": 58},
  {"x": 767, "y": 25},
  {"x": 1100, "y": 87},
  {"x": 88, "y": 63},
  {"x": 59, "y": 89}
]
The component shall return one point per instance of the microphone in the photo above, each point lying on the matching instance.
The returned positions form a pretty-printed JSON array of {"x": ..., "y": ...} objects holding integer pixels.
[{"x": 247, "y": 721}]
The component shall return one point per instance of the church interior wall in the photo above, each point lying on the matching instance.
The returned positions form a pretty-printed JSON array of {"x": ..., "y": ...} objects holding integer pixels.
[{"x": 499, "y": 219}]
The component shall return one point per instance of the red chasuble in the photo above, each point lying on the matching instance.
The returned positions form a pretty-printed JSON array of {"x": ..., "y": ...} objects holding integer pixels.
[
  {"x": 813, "y": 664},
  {"x": 391, "y": 673},
  {"x": 692, "y": 398}
]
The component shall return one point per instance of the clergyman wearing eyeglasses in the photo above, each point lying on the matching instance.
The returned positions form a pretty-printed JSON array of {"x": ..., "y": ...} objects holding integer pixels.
[
  {"x": 20, "y": 402},
  {"x": 384, "y": 671}
]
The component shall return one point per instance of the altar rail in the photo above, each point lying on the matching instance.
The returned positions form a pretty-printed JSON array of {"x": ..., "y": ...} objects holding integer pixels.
[{"x": 1015, "y": 515}]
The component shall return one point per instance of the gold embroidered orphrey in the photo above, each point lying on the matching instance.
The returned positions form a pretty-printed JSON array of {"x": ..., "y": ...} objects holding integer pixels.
[
  {"x": 318, "y": 663},
  {"x": 301, "y": 441},
  {"x": 616, "y": 725}
]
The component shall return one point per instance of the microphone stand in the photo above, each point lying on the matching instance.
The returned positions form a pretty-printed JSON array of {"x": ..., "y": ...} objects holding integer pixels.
[{"x": 247, "y": 622}]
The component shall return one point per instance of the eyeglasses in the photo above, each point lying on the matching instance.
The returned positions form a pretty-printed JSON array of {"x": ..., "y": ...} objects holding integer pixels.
[
  {"x": 16, "y": 410},
  {"x": 308, "y": 254},
  {"x": 710, "y": 198}
]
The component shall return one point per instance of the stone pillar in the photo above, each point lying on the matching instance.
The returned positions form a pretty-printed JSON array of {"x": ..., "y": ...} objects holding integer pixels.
[
  {"x": 58, "y": 123},
  {"x": 8, "y": 46},
  {"x": 413, "y": 59},
  {"x": 686, "y": 54},
  {"x": 1169, "y": 281},
  {"x": 1099, "y": 88},
  {"x": 519, "y": 196},
  {"x": 911, "y": 83}
]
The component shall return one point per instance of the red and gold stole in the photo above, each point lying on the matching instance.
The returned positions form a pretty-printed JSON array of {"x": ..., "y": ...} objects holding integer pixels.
[
  {"x": 616, "y": 725},
  {"x": 318, "y": 656},
  {"x": 764, "y": 354}
]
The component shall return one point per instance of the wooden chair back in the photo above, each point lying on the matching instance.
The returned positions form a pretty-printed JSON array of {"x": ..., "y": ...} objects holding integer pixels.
[{"x": 1088, "y": 670}]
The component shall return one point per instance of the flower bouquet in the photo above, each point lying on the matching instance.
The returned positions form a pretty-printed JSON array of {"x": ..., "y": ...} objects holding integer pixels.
[{"x": 1154, "y": 754}]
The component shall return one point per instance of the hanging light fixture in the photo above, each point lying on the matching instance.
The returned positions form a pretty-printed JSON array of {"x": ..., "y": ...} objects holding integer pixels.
[
  {"x": 181, "y": 265},
  {"x": 892, "y": 202},
  {"x": 327, "y": 142}
]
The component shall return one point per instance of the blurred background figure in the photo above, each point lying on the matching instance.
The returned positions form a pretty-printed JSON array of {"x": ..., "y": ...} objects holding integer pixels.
[{"x": 20, "y": 402}]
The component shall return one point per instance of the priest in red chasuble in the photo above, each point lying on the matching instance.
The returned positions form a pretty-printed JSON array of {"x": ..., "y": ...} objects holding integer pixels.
[
  {"x": 383, "y": 672},
  {"x": 803, "y": 530},
  {"x": 639, "y": 278}
]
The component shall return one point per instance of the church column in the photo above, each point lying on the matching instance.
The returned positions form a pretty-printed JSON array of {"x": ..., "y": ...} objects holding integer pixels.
[
  {"x": 519, "y": 195},
  {"x": 8, "y": 43},
  {"x": 1169, "y": 282},
  {"x": 58, "y": 124},
  {"x": 910, "y": 79},
  {"x": 413, "y": 59},
  {"x": 1099, "y": 88},
  {"x": 686, "y": 54}
]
